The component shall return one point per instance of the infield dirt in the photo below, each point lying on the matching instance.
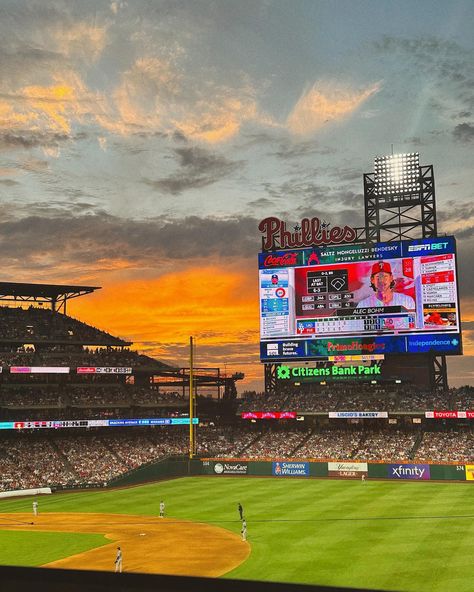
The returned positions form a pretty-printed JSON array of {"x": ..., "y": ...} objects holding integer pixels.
[{"x": 149, "y": 544}]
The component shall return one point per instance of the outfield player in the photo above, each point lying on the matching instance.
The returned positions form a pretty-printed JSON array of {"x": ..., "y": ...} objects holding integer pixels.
[
  {"x": 118, "y": 561},
  {"x": 244, "y": 530},
  {"x": 35, "y": 508},
  {"x": 162, "y": 509}
]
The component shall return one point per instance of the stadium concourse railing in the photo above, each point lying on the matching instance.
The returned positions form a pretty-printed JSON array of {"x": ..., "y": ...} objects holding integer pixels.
[
  {"x": 25, "y": 579},
  {"x": 284, "y": 467}
]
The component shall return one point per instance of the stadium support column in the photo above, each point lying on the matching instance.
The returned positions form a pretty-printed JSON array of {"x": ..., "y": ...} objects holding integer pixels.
[
  {"x": 438, "y": 373},
  {"x": 270, "y": 378}
]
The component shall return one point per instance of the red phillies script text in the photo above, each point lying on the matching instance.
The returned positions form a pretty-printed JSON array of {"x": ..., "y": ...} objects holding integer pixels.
[{"x": 312, "y": 233}]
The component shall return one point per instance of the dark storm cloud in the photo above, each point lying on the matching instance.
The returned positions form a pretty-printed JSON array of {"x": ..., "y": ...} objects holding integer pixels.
[
  {"x": 288, "y": 150},
  {"x": 306, "y": 194},
  {"x": 88, "y": 238},
  {"x": 261, "y": 203},
  {"x": 464, "y": 132},
  {"x": 197, "y": 168},
  {"x": 30, "y": 139}
]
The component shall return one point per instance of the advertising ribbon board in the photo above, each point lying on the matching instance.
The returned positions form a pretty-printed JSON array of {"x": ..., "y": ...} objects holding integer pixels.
[
  {"x": 409, "y": 471},
  {"x": 347, "y": 470},
  {"x": 230, "y": 468},
  {"x": 358, "y": 414},
  {"x": 469, "y": 472},
  {"x": 290, "y": 469}
]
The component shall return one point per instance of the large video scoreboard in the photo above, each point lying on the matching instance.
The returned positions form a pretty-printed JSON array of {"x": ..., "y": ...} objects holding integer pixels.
[{"x": 397, "y": 297}]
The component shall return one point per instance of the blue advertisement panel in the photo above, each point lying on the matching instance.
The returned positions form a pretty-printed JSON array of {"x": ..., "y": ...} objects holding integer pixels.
[
  {"x": 290, "y": 469},
  {"x": 384, "y": 298},
  {"x": 397, "y": 344},
  {"x": 409, "y": 471}
]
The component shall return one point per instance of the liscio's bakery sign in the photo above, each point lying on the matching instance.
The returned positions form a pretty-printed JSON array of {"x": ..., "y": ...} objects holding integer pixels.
[{"x": 311, "y": 232}]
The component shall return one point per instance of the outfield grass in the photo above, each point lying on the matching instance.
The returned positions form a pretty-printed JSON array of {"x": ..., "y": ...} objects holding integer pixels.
[
  {"x": 386, "y": 535},
  {"x": 37, "y": 548}
]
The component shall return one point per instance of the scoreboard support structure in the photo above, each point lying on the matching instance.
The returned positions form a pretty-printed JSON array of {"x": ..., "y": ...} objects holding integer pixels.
[
  {"x": 438, "y": 373},
  {"x": 270, "y": 378},
  {"x": 405, "y": 215},
  {"x": 399, "y": 205}
]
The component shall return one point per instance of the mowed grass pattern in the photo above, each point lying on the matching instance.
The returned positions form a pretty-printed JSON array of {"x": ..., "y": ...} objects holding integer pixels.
[{"x": 385, "y": 535}]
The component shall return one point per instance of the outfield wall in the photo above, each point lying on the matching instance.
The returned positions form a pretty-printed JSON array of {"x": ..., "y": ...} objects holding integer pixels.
[
  {"x": 341, "y": 470},
  {"x": 180, "y": 467}
]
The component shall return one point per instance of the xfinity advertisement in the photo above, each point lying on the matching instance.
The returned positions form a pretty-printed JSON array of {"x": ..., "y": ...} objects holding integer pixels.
[{"x": 413, "y": 472}]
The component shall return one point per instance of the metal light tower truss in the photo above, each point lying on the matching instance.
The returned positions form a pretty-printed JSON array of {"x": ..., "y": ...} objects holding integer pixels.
[
  {"x": 270, "y": 378},
  {"x": 400, "y": 204}
]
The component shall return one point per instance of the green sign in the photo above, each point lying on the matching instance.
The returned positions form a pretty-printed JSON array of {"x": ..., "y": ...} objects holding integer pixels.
[{"x": 306, "y": 374}]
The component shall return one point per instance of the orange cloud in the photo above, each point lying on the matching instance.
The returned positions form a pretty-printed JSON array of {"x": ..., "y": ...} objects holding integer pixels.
[
  {"x": 212, "y": 304},
  {"x": 325, "y": 103},
  {"x": 150, "y": 97},
  {"x": 48, "y": 109}
]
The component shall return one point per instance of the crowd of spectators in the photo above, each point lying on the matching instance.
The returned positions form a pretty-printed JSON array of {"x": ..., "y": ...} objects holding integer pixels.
[
  {"x": 30, "y": 397},
  {"x": 220, "y": 441},
  {"x": 74, "y": 357},
  {"x": 387, "y": 445},
  {"x": 330, "y": 444},
  {"x": 35, "y": 323},
  {"x": 457, "y": 446},
  {"x": 364, "y": 397},
  {"x": 98, "y": 456}
]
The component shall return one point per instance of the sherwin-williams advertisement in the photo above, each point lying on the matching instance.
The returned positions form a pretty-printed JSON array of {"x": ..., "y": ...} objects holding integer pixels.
[{"x": 290, "y": 469}]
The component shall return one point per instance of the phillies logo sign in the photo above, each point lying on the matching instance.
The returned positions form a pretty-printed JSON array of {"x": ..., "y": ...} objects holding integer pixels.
[{"x": 312, "y": 232}]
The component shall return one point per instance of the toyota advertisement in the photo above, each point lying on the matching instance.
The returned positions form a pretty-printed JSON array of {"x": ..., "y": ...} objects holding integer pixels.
[{"x": 399, "y": 297}]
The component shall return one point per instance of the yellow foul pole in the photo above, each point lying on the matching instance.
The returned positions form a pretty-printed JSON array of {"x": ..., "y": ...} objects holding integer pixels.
[{"x": 191, "y": 400}]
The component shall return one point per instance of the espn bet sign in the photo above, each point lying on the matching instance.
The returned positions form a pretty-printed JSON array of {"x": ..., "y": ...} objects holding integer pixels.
[{"x": 306, "y": 374}]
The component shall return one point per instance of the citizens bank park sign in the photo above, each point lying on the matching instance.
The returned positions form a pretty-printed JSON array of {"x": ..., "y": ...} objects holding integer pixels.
[{"x": 311, "y": 232}]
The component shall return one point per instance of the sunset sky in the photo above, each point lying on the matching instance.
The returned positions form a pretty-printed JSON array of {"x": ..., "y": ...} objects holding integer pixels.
[{"x": 141, "y": 142}]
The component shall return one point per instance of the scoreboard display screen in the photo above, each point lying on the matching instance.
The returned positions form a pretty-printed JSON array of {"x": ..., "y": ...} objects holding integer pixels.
[{"x": 397, "y": 297}]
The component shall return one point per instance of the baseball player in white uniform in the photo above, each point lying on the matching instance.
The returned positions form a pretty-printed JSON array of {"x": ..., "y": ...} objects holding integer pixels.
[
  {"x": 162, "y": 509},
  {"x": 118, "y": 561}
]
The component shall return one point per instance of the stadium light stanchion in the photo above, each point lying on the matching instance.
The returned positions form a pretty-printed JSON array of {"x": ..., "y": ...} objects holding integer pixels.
[{"x": 191, "y": 400}]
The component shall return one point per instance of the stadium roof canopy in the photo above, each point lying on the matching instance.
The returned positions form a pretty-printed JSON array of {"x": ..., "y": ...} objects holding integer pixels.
[{"x": 50, "y": 293}]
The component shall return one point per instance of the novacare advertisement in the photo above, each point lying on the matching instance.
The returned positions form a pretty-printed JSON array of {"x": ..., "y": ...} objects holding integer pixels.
[
  {"x": 409, "y": 472},
  {"x": 290, "y": 469},
  {"x": 230, "y": 468}
]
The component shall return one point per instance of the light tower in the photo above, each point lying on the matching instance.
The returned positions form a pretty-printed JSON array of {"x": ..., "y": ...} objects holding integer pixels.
[
  {"x": 400, "y": 204},
  {"x": 399, "y": 199}
]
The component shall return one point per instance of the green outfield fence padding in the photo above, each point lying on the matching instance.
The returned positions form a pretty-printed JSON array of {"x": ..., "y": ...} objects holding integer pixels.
[
  {"x": 318, "y": 469},
  {"x": 449, "y": 472},
  {"x": 378, "y": 471},
  {"x": 261, "y": 468},
  {"x": 182, "y": 466}
]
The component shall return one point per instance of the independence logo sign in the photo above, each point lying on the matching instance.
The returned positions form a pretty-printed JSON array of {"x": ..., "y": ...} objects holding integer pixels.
[
  {"x": 290, "y": 469},
  {"x": 409, "y": 472}
]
